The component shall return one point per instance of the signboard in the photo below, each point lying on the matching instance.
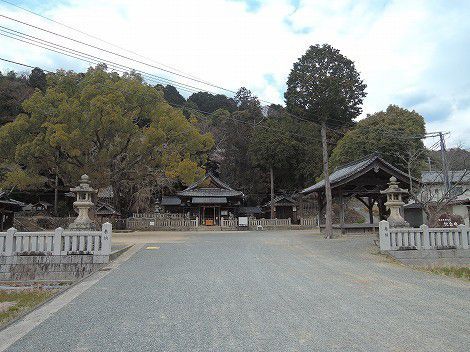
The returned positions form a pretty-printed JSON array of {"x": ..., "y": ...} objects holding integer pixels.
[
  {"x": 243, "y": 221},
  {"x": 449, "y": 220}
]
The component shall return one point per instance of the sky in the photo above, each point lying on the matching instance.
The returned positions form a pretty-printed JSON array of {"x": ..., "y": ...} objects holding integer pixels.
[{"x": 414, "y": 54}]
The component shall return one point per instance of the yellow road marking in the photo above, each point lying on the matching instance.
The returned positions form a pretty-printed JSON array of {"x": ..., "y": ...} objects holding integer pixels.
[{"x": 152, "y": 247}]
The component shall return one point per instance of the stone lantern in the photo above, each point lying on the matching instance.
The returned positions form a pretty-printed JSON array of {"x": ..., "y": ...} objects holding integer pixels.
[
  {"x": 83, "y": 205},
  {"x": 395, "y": 203}
]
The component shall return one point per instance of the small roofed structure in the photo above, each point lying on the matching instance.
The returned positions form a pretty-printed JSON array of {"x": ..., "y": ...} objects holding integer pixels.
[
  {"x": 171, "y": 204},
  {"x": 255, "y": 212},
  {"x": 285, "y": 207},
  {"x": 42, "y": 206},
  {"x": 363, "y": 180},
  {"x": 8, "y": 207},
  {"x": 106, "y": 212},
  {"x": 210, "y": 199}
]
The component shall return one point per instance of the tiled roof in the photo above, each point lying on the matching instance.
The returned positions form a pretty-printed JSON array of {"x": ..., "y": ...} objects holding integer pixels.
[
  {"x": 106, "y": 192},
  {"x": 209, "y": 200},
  {"x": 210, "y": 192},
  {"x": 350, "y": 169},
  {"x": 458, "y": 176},
  {"x": 250, "y": 210},
  {"x": 278, "y": 199},
  {"x": 170, "y": 200},
  {"x": 106, "y": 209},
  {"x": 223, "y": 190}
]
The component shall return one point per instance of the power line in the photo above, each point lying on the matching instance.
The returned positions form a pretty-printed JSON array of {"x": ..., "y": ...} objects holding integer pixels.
[
  {"x": 119, "y": 55},
  {"x": 91, "y": 36},
  {"x": 92, "y": 59},
  {"x": 165, "y": 70},
  {"x": 20, "y": 64},
  {"x": 205, "y": 112}
]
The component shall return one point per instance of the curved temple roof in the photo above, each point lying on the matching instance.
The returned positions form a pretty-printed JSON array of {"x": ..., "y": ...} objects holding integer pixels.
[
  {"x": 221, "y": 189},
  {"x": 356, "y": 169}
]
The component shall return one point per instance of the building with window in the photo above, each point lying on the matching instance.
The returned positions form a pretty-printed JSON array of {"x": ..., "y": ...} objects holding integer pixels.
[{"x": 456, "y": 197}]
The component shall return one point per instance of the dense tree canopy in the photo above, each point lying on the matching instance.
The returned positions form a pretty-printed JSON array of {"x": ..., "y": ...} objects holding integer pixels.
[
  {"x": 324, "y": 86},
  {"x": 37, "y": 79},
  {"x": 291, "y": 148},
  {"x": 116, "y": 129},
  {"x": 14, "y": 89},
  {"x": 208, "y": 103},
  {"x": 392, "y": 133},
  {"x": 172, "y": 95}
]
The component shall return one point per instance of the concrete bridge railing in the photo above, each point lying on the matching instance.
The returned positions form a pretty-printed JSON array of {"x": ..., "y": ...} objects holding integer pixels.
[
  {"x": 58, "y": 242},
  {"x": 422, "y": 238}
]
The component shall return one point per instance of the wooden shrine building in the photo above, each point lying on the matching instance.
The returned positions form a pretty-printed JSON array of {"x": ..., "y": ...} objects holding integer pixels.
[
  {"x": 362, "y": 179},
  {"x": 285, "y": 207},
  {"x": 8, "y": 207},
  {"x": 209, "y": 199}
]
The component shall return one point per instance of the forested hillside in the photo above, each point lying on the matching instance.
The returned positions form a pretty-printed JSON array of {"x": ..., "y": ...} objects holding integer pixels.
[{"x": 150, "y": 140}]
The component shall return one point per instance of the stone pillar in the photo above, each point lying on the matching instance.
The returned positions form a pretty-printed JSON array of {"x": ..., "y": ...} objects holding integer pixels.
[
  {"x": 107, "y": 232},
  {"x": 425, "y": 233},
  {"x": 384, "y": 235},
  {"x": 9, "y": 241},
  {"x": 464, "y": 233},
  {"x": 57, "y": 241}
]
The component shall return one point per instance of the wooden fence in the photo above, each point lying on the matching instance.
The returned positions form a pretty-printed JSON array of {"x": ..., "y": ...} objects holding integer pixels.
[
  {"x": 154, "y": 223},
  {"x": 309, "y": 222},
  {"x": 254, "y": 223},
  {"x": 229, "y": 223},
  {"x": 58, "y": 242},
  {"x": 393, "y": 239},
  {"x": 158, "y": 216}
]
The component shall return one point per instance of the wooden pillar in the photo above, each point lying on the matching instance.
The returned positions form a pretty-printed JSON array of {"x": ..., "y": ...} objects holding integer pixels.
[
  {"x": 382, "y": 209},
  {"x": 342, "y": 211},
  {"x": 370, "y": 208}
]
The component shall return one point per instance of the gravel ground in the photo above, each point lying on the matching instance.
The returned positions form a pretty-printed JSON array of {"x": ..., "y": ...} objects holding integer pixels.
[{"x": 261, "y": 291}]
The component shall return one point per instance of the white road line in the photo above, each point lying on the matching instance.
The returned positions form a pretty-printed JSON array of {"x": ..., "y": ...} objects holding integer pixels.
[{"x": 19, "y": 329}]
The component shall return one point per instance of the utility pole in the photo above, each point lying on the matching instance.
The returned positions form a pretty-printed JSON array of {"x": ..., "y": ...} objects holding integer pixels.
[
  {"x": 429, "y": 163},
  {"x": 445, "y": 166},
  {"x": 56, "y": 195},
  {"x": 329, "y": 200},
  {"x": 272, "y": 192}
]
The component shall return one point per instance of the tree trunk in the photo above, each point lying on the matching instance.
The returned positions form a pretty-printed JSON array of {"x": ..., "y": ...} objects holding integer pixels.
[
  {"x": 272, "y": 191},
  {"x": 329, "y": 201}
]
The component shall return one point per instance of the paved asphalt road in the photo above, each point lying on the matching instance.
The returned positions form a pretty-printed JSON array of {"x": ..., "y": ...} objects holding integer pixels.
[{"x": 261, "y": 291}]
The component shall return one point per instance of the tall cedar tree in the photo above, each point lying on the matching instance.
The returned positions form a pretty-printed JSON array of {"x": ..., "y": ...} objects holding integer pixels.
[{"x": 325, "y": 87}]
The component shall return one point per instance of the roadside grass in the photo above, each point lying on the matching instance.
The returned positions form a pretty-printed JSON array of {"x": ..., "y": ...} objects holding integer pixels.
[
  {"x": 458, "y": 272},
  {"x": 16, "y": 302}
]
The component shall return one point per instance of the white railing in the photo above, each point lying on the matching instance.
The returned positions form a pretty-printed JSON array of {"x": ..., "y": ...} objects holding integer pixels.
[
  {"x": 58, "y": 242},
  {"x": 309, "y": 222},
  {"x": 393, "y": 239},
  {"x": 269, "y": 222},
  {"x": 229, "y": 222},
  {"x": 143, "y": 223},
  {"x": 144, "y": 215},
  {"x": 159, "y": 216}
]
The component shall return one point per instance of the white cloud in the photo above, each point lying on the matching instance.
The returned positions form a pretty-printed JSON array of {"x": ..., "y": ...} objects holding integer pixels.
[{"x": 402, "y": 48}]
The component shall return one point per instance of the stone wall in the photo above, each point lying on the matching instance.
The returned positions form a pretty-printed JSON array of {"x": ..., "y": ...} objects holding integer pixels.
[
  {"x": 49, "y": 267},
  {"x": 444, "y": 257}
]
